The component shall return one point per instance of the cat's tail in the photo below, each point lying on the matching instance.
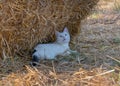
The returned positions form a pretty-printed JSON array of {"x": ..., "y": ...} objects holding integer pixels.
[{"x": 35, "y": 59}]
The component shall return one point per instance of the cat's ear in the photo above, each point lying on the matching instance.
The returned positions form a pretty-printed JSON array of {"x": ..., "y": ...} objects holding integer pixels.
[
  {"x": 57, "y": 32},
  {"x": 65, "y": 29}
]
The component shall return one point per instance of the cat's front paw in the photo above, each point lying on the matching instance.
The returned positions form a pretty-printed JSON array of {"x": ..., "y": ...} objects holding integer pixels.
[{"x": 67, "y": 53}]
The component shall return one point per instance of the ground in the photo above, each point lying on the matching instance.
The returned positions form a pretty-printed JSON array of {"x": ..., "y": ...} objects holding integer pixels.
[{"x": 96, "y": 63}]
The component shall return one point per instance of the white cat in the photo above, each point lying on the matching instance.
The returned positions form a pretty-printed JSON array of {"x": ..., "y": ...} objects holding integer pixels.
[{"x": 51, "y": 50}]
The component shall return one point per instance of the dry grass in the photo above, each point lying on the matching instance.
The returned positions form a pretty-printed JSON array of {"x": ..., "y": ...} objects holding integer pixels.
[
  {"x": 97, "y": 64},
  {"x": 117, "y": 5},
  {"x": 54, "y": 77}
]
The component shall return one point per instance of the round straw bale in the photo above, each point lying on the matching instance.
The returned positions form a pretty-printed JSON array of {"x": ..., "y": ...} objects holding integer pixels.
[{"x": 24, "y": 23}]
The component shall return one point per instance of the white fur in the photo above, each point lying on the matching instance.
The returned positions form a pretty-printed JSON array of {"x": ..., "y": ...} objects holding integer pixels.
[
  {"x": 50, "y": 51},
  {"x": 59, "y": 47}
]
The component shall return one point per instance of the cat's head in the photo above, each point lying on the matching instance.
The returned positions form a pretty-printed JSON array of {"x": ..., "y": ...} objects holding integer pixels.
[{"x": 63, "y": 37}]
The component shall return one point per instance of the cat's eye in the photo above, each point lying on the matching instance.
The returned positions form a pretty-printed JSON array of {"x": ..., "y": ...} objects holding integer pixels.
[
  {"x": 60, "y": 36},
  {"x": 65, "y": 34}
]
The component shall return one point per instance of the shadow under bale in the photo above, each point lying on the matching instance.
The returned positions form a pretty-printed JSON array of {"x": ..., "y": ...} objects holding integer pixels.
[{"x": 24, "y": 23}]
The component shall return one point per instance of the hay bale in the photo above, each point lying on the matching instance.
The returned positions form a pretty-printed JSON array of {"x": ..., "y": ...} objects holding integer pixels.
[{"x": 24, "y": 23}]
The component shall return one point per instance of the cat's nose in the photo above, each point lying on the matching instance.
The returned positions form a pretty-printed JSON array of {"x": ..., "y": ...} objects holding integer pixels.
[{"x": 63, "y": 39}]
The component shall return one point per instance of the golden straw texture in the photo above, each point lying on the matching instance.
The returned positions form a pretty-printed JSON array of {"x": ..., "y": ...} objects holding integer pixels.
[{"x": 24, "y": 23}]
